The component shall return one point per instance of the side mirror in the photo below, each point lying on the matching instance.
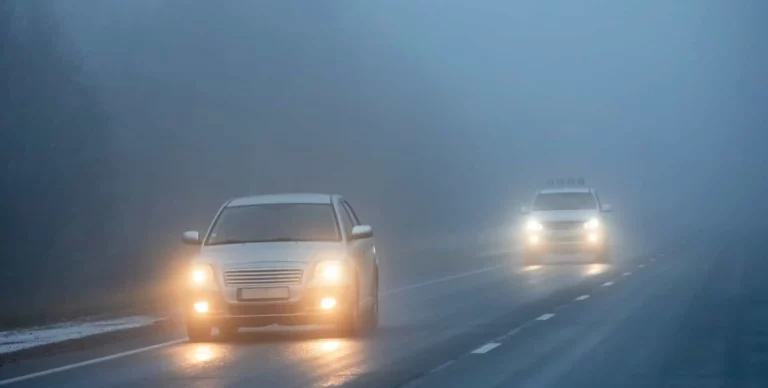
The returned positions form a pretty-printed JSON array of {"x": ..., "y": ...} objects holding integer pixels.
[
  {"x": 361, "y": 231},
  {"x": 191, "y": 238},
  {"x": 607, "y": 208},
  {"x": 525, "y": 210}
]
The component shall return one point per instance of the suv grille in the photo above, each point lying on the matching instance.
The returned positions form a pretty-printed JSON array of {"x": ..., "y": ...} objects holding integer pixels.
[
  {"x": 262, "y": 277},
  {"x": 564, "y": 225}
]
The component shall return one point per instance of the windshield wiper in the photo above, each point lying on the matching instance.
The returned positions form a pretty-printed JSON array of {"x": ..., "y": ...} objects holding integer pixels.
[
  {"x": 230, "y": 241},
  {"x": 282, "y": 239},
  {"x": 276, "y": 239}
]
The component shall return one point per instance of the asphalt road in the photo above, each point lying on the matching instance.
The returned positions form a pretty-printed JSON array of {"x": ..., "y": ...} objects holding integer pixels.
[{"x": 695, "y": 316}]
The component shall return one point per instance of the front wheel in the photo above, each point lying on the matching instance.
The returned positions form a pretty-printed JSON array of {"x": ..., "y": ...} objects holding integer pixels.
[
  {"x": 349, "y": 323},
  {"x": 373, "y": 314},
  {"x": 603, "y": 257},
  {"x": 531, "y": 258},
  {"x": 198, "y": 331}
]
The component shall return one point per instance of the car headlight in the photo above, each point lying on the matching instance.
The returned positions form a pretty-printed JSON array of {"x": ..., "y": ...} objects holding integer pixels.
[
  {"x": 534, "y": 226},
  {"x": 329, "y": 271},
  {"x": 201, "y": 275},
  {"x": 592, "y": 224}
]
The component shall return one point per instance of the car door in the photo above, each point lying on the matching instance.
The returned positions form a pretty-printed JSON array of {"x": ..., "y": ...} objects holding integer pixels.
[{"x": 362, "y": 251}]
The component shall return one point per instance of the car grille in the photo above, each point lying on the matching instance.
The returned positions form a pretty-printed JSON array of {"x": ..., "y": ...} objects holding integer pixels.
[
  {"x": 262, "y": 277},
  {"x": 265, "y": 309},
  {"x": 564, "y": 225}
]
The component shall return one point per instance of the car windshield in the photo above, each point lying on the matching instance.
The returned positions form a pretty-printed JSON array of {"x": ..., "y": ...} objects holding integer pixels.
[
  {"x": 564, "y": 201},
  {"x": 274, "y": 222}
]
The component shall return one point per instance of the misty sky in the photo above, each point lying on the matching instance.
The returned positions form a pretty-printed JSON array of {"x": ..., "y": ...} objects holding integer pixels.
[{"x": 430, "y": 116}]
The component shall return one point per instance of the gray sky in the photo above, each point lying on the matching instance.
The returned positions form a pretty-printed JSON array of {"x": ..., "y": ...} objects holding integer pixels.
[{"x": 431, "y": 116}]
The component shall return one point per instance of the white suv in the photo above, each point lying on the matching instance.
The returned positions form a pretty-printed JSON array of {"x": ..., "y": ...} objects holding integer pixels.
[
  {"x": 286, "y": 259},
  {"x": 565, "y": 220}
]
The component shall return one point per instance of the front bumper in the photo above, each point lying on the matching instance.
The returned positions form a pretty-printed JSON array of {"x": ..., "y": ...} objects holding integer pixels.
[
  {"x": 566, "y": 241},
  {"x": 303, "y": 307}
]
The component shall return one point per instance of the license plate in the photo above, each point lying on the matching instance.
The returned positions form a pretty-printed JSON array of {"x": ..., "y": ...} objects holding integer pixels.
[{"x": 264, "y": 293}]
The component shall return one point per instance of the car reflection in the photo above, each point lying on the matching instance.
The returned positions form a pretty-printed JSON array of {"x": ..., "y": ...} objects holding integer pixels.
[
  {"x": 595, "y": 269},
  {"x": 202, "y": 353},
  {"x": 330, "y": 345}
]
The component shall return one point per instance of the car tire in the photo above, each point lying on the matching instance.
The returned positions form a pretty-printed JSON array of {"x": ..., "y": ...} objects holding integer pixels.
[
  {"x": 227, "y": 333},
  {"x": 198, "y": 331},
  {"x": 603, "y": 257},
  {"x": 530, "y": 258},
  {"x": 349, "y": 323},
  {"x": 373, "y": 315}
]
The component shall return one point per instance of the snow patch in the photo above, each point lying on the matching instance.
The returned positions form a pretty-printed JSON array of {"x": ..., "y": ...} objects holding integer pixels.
[{"x": 15, "y": 340}]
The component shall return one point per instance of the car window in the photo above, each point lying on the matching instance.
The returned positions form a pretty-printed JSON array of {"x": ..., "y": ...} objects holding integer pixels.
[
  {"x": 564, "y": 201},
  {"x": 351, "y": 211},
  {"x": 274, "y": 222},
  {"x": 347, "y": 220}
]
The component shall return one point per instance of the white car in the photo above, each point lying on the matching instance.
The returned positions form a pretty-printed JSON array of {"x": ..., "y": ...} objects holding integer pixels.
[
  {"x": 565, "y": 220},
  {"x": 290, "y": 259}
]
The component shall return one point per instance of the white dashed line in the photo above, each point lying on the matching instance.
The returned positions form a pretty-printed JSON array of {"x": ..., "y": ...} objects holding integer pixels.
[
  {"x": 486, "y": 348},
  {"x": 627, "y": 273},
  {"x": 90, "y": 362},
  {"x": 653, "y": 259},
  {"x": 443, "y": 366},
  {"x": 511, "y": 333},
  {"x": 641, "y": 266},
  {"x": 608, "y": 284},
  {"x": 545, "y": 317},
  {"x": 582, "y": 297}
]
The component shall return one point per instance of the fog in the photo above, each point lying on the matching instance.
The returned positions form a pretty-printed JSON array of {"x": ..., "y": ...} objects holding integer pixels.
[{"x": 433, "y": 118}]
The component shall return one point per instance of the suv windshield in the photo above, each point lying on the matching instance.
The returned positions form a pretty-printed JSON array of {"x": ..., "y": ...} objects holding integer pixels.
[
  {"x": 564, "y": 201},
  {"x": 275, "y": 222}
]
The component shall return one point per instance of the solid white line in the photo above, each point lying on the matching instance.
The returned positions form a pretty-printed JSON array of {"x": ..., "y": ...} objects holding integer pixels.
[
  {"x": 443, "y": 279},
  {"x": 608, "y": 284},
  {"x": 627, "y": 273},
  {"x": 582, "y": 297},
  {"x": 545, "y": 317},
  {"x": 90, "y": 362},
  {"x": 441, "y": 367},
  {"x": 486, "y": 348}
]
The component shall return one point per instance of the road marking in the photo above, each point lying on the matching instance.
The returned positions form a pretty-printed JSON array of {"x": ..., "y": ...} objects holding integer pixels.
[
  {"x": 443, "y": 279},
  {"x": 582, "y": 297},
  {"x": 653, "y": 259},
  {"x": 608, "y": 284},
  {"x": 545, "y": 317},
  {"x": 90, "y": 362},
  {"x": 627, "y": 273},
  {"x": 511, "y": 333},
  {"x": 640, "y": 265},
  {"x": 486, "y": 348},
  {"x": 443, "y": 366}
]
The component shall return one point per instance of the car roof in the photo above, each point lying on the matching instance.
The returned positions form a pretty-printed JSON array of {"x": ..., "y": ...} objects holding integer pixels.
[
  {"x": 566, "y": 190},
  {"x": 271, "y": 199}
]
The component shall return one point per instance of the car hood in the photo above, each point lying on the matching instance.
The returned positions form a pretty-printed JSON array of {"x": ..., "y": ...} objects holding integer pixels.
[
  {"x": 564, "y": 215},
  {"x": 266, "y": 255}
]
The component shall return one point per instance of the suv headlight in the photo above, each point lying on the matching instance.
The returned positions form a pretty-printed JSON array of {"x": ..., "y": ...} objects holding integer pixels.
[
  {"x": 202, "y": 275},
  {"x": 592, "y": 224},
  {"x": 330, "y": 271},
  {"x": 534, "y": 226}
]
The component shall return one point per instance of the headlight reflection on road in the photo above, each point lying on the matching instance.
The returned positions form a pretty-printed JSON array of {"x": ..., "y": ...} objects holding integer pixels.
[
  {"x": 595, "y": 269},
  {"x": 202, "y": 353},
  {"x": 531, "y": 268},
  {"x": 330, "y": 345}
]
